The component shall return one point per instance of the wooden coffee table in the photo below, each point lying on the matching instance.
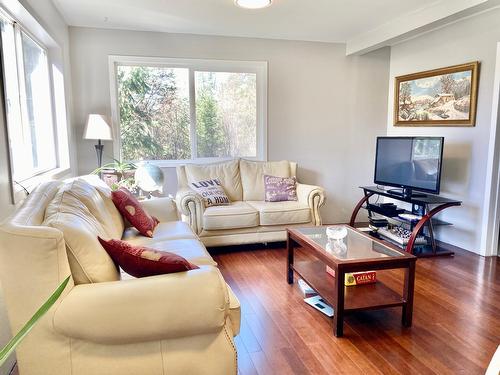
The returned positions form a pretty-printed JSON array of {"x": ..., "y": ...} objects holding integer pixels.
[{"x": 362, "y": 253}]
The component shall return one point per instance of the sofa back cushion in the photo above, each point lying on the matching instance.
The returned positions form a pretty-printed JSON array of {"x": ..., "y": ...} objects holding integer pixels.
[
  {"x": 115, "y": 218},
  {"x": 252, "y": 176},
  {"x": 227, "y": 172},
  {"x": 88, "y": 261},
  {"x": 98, "y": 201}
]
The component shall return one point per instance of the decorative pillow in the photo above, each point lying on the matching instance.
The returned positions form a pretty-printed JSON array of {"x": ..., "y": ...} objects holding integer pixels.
[
  {"x": 131, "y": 209},
  {"x": 141, "y": 261},
  {"x": 253, "y": 172},
  {"x": 212, "y": 192},
  {"x": 279, "y": 189},
  {"x": 228, "y": 173}
]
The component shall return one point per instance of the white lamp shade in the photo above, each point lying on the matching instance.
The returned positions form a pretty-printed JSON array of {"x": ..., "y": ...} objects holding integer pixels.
[{"x": 98, "y": 127}]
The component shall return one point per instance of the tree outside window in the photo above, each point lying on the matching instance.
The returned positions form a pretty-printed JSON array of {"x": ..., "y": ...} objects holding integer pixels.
[{"x": 155, "y": 113}]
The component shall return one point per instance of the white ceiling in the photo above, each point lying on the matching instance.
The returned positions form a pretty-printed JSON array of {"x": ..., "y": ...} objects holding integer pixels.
[{"x": 312, "y": 20}]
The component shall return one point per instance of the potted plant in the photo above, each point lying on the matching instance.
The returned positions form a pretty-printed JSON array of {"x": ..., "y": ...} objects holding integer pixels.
[
  {"x": 7, "y": 350},
  {"x": 117, "y": 174}
]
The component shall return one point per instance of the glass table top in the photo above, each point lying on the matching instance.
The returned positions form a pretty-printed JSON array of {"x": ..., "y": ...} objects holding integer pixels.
[{"x": 354, "y": 246}]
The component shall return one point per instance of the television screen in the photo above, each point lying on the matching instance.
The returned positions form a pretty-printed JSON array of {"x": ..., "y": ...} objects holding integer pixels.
[{"x": 410, "y": 162}]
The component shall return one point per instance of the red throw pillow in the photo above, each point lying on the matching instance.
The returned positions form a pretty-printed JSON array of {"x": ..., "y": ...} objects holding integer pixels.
[
  {"x": 141, "y": 261},
  {"x": 131, "y": 209}
]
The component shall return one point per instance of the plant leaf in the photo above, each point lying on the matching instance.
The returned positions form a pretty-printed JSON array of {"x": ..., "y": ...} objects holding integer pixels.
[{"x": 14, "y": 342}]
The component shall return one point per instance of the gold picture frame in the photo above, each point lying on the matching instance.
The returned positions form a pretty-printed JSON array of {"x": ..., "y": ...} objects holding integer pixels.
[{"x": 438, "y": 97}]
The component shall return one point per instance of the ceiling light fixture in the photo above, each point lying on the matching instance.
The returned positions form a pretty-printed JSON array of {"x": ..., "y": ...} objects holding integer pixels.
[{"x": 253, "y": 4}]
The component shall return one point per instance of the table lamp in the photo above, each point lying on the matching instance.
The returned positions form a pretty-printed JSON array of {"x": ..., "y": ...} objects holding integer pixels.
[{"x": 98, "y": 128}]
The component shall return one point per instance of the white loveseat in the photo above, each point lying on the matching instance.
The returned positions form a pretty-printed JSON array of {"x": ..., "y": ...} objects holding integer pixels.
[
  {"x": 248, "y": 219},
  {"x": 180, "y": 323}
]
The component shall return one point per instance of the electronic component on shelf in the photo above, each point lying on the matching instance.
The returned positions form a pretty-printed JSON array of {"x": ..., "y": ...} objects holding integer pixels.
[
  {"x": 376, "y": 223},
  {"x": 400, "y": 235},
  {"x": 408, "y": 216},
  {"x": 386, "y": 209},
  {"x": 387, "y": 205}
]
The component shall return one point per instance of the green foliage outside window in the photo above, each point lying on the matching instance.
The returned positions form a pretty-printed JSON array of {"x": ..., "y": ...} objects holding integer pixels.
[{"x": 155, "y": 117}]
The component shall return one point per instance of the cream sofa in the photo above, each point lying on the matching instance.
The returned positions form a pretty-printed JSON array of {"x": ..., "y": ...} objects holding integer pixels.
[
  {"x": 181, "y": 323},
  {"x": 248, "y": 219}
]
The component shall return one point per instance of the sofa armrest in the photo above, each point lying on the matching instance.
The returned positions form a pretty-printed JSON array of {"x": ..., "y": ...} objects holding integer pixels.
[
  {"x": 191, "y": 206},
  {"x": 234, "y": 311},
  {"x": 314, "y": 197},
  {"x": 164, "y": 209},
  {"x": 152, "y": 308}
]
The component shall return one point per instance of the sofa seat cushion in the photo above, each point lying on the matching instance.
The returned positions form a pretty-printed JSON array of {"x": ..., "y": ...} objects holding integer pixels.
[
  {"x": 236, "y": 215},
  {"x": 281, "y": 213},
  {"x": 190, "y": 249},
  {"x": 169, "y": 230}
]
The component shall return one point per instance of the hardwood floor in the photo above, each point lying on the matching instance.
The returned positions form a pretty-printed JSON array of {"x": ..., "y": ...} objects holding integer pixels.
[{"x": 456, "y": 321}]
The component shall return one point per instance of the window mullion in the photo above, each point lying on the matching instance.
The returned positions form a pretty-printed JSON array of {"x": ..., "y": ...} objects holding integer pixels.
[
  {"x": 53, "y": 111},
  {"x": 22, "y": 96},
  {"x": 192, "y": 112}
]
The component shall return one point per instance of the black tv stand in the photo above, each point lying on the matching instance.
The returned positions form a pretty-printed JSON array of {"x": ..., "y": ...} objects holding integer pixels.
[
  {"x": 405, "y": 192},
  {"x": 425, "y": 206}
]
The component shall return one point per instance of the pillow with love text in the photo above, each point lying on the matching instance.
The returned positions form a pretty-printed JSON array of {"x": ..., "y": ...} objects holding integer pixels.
[{"x": 211, "y": 191}]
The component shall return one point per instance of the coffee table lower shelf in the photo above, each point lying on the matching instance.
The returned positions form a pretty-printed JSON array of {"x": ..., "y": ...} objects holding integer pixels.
[{"x": 356, "y": 298}]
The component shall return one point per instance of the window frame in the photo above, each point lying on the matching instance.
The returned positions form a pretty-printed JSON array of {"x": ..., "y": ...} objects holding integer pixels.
[
  {"x": 259, "y": 68},
  {"x": 35, "y": 174}
]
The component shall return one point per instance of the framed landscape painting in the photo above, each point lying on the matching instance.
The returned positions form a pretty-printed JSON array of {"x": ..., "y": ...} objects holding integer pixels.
[{"x": 439, "y": 97}]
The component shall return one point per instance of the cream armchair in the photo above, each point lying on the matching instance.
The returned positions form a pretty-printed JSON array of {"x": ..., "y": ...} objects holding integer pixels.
[
  {"x": 181, "y": 323},
  {"x": 249, "y": 218}
]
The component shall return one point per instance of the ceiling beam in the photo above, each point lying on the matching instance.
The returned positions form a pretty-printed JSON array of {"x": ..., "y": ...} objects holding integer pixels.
[{"x": 423, "y": 20}]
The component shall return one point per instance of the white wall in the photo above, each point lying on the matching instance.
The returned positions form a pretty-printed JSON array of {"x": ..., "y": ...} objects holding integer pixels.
[
  {"x": 325, "y": 109},
  {"x": 466, "y": 149},
  {"x": 49, "y": 18}
]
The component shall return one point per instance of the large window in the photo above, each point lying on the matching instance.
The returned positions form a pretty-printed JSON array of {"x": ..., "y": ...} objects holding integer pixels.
[
  {"x": 171, "y": 109},
  {"x": 226, "y": 114},
  {"x": 28, "y": 98}
]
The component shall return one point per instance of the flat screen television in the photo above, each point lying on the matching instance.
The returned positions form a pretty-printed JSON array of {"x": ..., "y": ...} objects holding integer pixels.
[{"x": 410, "y": 163}]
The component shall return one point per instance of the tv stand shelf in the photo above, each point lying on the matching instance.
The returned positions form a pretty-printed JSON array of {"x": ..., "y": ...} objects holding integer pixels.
[
  {"x": 376, "y": 210},
  {"x": 420, "y": 199},
  {"x": 423, "y": 205}
]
